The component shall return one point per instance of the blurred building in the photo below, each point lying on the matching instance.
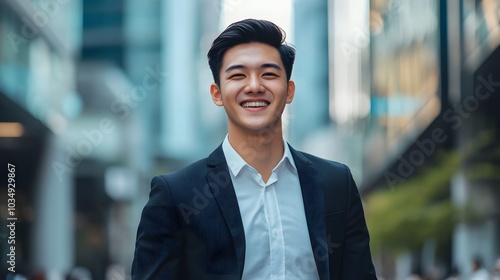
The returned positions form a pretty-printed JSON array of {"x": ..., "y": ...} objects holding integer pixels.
[
  {"x": 142, "y": 68},
  {"x": 309, "y": 111},
  {"x": 440, "y": 54},
  {"x": 96, "y": 98},
  {"x": 474, "y": 83},
  {"x": 397, "y": 88},
  {"x": 38, "y": 55}
]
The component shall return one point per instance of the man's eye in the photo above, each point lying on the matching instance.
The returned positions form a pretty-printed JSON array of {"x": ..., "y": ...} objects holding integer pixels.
[
  {"x": 270, "y": 74},
  {"x": 236, "y": 76}
]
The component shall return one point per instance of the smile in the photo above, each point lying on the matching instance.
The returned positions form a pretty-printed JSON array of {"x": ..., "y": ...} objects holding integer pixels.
[{"x": 255, "y": 104}]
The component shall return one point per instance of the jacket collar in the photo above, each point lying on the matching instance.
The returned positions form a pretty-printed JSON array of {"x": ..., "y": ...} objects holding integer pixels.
[
  {"x": 216, "y": 157},
  {"x": 314, "y": 207},
  {"x": 222, "y": 189}
]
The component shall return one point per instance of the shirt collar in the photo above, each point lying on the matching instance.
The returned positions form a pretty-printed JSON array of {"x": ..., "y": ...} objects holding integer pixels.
[{"x": 236, "y": 163}]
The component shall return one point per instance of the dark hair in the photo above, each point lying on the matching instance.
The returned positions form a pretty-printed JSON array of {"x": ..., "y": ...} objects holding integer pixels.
[
  {"x": 478, "y": 261},
  {"x": 250, "y": 31}
]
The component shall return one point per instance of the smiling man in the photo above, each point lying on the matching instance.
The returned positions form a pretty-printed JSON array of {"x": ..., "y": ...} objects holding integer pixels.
[{"x": 255, "y": 208}]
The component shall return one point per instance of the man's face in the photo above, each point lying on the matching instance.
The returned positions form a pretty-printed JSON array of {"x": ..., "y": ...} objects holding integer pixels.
[{"x": 253, "y": 87}]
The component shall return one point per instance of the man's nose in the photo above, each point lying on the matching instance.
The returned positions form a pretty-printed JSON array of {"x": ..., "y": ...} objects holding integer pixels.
[{"x": 254, "y": 85}]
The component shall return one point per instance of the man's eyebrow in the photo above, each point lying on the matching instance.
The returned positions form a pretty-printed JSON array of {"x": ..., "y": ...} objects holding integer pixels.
[
  {"x": 265, "y": 65},
  {"x": 271, "y": 65},
  {"x": 233, "y": 67}
]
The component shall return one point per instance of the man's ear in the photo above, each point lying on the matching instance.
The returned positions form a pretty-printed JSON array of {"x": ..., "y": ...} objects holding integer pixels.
[
  {"x": 216, "y": 95},
  {"x": 290, "y": 92}
]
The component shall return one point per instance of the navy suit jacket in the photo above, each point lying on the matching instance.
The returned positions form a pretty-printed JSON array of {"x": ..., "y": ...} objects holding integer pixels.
[{"x": 191, "y": 227}]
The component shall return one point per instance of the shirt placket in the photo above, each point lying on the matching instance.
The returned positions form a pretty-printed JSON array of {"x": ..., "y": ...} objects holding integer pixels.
[{"x": 276, "y": 240}]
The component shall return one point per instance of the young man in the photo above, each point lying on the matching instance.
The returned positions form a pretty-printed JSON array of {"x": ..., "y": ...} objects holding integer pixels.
[{"x": 255, "y": 208}]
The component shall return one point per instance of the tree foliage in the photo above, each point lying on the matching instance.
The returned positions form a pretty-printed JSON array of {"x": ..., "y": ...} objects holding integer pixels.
[{"x": 404, "y": 217}]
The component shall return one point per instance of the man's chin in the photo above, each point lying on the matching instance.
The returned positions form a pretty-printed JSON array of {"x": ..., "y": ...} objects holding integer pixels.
[{"x": 264, "y": 128}]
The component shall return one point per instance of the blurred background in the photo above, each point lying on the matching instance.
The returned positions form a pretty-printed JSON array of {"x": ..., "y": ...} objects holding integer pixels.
[{"x": 97, "y": 96}]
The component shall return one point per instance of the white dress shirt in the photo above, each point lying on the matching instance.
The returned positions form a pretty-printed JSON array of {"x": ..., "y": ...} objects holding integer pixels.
[
  {"x": 481, "y": 274},
  {"x": 274, "y": 221}
]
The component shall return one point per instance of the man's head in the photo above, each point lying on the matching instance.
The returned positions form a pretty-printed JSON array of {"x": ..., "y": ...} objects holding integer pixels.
[
  {"x": 250, "y": 31},
  {"x": 477, "y": 263},
  {"x": 252, "y": 65}
]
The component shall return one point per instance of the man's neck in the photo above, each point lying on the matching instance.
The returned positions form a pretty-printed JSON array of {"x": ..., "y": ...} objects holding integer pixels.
[{"x": 262, "y": 151}]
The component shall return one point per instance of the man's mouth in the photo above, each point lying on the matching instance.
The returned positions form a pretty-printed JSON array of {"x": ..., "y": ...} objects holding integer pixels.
[{"x": 255, "y": 104}]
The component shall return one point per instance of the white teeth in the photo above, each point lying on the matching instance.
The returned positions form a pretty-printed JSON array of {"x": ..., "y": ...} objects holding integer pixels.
[{"x": 255, "y": 104}]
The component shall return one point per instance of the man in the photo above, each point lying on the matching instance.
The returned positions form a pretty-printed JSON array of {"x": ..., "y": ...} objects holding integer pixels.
[
  {"x": 478, "y": 271},
  {"x": 255, "y": 208},
  {"x": 496, "y": 271}
]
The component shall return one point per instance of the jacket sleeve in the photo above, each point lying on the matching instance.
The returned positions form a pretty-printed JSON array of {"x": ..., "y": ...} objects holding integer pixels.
[
  {"x": 357, "y": 261},
  {"x": 158, "y": 244}
]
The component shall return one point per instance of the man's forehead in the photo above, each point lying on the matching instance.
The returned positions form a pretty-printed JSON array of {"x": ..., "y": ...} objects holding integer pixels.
[{"x": 251, "y": 53}]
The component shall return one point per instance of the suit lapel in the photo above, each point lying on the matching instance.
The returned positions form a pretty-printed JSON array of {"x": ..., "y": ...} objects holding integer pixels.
[
  {"x": 312, "y": 195},
  {"x": 222, "y": 189}
]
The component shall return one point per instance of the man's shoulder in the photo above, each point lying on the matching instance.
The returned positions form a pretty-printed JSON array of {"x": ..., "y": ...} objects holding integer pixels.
[
  {"x": 323, "y": 163},
  {"x": 189, "y": 172},
  {"x": 335, "y": 177}
]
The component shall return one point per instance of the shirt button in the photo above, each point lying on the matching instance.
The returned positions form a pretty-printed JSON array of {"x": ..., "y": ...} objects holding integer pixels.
[{"x": 275, "y": 232}]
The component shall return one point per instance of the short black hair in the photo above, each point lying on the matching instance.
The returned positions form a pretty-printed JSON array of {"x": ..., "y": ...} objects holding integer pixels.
[
  {"x": 478, "y": 261},
  {"x": 250, "y": 31}
]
